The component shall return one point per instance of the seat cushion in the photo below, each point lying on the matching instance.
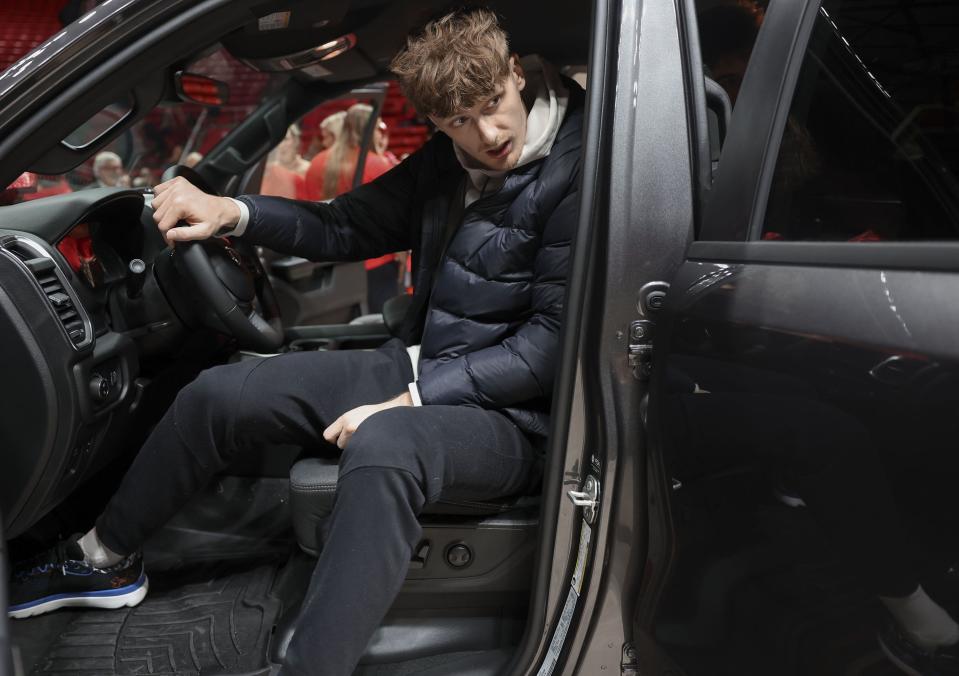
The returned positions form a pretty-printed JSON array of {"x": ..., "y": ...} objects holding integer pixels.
[{"x": 313, "y": 492}]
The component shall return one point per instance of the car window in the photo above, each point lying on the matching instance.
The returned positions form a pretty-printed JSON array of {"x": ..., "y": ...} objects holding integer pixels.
[
  {"x": 174, "y": 132},
  {"x": 295, "y": 168},
  {"x": 317, "y": 160},
  {"x": 727, "y": 35},
  {"x": 870, "y": 150}
]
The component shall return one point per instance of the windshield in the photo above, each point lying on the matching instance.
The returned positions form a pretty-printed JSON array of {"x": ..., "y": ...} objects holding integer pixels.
[{"x": 174, "y": 132}]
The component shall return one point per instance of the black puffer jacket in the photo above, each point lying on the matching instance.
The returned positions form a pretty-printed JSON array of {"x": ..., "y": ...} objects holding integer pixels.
[{"x": 490, "y": 331}]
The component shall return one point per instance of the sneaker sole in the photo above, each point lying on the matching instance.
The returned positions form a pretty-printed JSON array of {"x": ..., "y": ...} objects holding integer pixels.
[
  {"x": 902, "y": 666},
  {"x": 109, "y": 599}
]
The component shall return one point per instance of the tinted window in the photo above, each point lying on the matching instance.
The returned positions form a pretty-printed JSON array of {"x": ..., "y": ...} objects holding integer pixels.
[{"x": 870, "y": 150}]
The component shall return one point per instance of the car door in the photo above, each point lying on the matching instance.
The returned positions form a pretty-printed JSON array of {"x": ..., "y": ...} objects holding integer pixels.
[
  {"x": 805, "y": 366},
  {"x": 636, "y": 218}
]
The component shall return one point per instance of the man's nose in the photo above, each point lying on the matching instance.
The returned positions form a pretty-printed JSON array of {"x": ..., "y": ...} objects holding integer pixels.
[{"x": 487, "y": 132}]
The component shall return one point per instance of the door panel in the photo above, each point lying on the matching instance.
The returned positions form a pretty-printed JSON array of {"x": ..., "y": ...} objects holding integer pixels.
[
  {"x": 804, "y": 393},
  {"x": 809, "y": 429}
]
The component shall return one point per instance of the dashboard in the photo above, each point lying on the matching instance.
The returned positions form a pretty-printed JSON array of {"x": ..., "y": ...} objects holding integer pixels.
[
  {"x": 80, "y": 311},
  {"x": 96, "y": 265}
]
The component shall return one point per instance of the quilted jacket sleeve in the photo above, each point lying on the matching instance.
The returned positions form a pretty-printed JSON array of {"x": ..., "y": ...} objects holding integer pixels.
[
  {"x": 372, "y": 220},
  {"x": 523, "y": 366}
]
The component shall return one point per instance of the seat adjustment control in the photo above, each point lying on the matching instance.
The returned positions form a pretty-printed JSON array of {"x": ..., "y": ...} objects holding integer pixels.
[{"x": 459, "y": 555}]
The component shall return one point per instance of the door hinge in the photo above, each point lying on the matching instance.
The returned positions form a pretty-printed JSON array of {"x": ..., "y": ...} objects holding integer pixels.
[
  {"x": 640, "y": 348},
  {"x": 630, "y": 663},
  {"x": 588, "y": 498}
]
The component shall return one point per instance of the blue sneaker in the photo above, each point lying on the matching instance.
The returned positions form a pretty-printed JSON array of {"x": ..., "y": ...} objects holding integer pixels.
[{"x": 60, "y": 578}]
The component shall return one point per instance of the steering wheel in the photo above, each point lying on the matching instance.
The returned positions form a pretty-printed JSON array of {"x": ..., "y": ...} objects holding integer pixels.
[{"x": 230, "y": 279}]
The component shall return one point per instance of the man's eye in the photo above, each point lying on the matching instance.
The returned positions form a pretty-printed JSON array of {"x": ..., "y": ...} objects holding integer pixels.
[
  {"x": 459, "y": 122},
  {"x": 493, "y": 102}
]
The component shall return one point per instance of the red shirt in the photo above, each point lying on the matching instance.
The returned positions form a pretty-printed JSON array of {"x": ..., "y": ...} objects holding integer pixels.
[
  {"x": 374, "y": 166},
  {"x": 282, "y": 182}
]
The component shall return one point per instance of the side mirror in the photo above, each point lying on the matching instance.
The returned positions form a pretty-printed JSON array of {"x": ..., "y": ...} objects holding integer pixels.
[{"x": 200, "y": 89}]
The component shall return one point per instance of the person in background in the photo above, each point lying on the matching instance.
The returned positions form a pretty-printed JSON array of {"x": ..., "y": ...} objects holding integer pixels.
[
  {"x": 332, "y": 173},
  {"x": 108, "y": 171},
  {"x": 330, "y": 128},
  {"x": 286, "y": 169},
  {"x": 144, "y": 179},
  {"x": 381, "y": 143}
]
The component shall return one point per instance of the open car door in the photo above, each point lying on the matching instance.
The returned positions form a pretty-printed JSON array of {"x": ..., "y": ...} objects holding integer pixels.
[{"x": 805, "y": 380}]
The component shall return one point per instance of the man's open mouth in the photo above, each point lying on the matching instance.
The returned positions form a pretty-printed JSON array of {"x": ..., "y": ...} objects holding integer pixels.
[{"x": 500, "y": 151}]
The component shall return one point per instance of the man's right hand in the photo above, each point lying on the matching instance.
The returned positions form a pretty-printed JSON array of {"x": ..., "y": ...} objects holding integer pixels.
[{"x": 179, "y": 200}]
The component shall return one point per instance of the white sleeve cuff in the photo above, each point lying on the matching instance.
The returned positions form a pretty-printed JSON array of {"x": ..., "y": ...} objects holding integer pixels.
[
  {"x": 415, "y": 394},
  {"x": 240, "y": 227}
]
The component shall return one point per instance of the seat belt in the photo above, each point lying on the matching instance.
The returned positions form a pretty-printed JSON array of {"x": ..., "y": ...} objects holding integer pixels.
[{"x": 454, "y": 219}]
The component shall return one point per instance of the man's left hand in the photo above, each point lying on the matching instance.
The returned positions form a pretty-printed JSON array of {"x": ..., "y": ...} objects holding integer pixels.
[{"x": 343, "y": 428}]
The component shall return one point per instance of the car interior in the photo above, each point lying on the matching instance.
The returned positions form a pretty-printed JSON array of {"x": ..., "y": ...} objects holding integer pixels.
[{"x": 103, "y": 324}]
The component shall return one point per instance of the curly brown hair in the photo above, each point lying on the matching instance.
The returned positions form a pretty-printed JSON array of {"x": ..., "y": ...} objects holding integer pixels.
[{"x": 453, "y": 62}]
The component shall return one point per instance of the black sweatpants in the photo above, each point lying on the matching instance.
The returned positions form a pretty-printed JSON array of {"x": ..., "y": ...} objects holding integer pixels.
[{"x": 397, "y": 461}]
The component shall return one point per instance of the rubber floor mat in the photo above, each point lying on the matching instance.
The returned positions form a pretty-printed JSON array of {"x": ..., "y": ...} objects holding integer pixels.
[{"x": 210, "y": 622}]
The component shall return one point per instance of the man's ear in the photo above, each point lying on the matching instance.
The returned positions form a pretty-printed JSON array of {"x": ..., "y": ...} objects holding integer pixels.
[{"x": 518, "y": 73}]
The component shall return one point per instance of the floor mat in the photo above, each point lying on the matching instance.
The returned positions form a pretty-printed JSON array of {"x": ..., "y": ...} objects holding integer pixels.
[
  {"x": 472, "y": 663},
  {"x": 210, "y": 621}
]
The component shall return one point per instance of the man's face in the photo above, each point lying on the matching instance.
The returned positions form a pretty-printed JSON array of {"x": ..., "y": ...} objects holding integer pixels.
[
  {"x": 493, "y": 131},
  {"x": 110, "y": 172}
]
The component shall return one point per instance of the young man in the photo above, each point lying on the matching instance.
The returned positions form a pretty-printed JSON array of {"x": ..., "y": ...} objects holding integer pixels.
[{"x": 489, "y": 208}]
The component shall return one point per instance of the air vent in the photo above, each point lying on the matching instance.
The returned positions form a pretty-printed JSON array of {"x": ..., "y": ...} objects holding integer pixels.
[
  {"x": 44, "y": 270},
  {"x": 61, "y": 302},
  {"x": 17, "y": 248}
]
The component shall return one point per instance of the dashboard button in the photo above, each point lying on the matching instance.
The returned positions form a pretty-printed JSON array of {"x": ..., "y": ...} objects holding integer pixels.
[{"x": 100, "y": 387}]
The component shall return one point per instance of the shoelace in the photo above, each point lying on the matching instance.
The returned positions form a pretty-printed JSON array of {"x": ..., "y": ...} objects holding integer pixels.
[{"x": 44, "y": 562}]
